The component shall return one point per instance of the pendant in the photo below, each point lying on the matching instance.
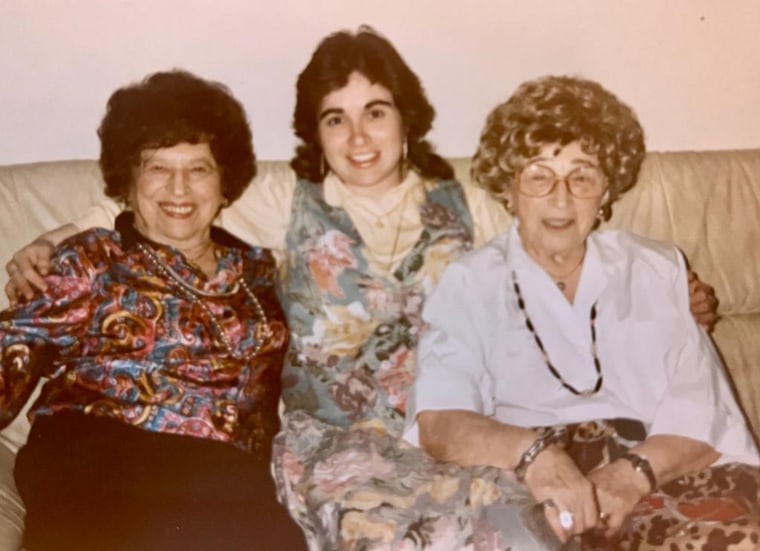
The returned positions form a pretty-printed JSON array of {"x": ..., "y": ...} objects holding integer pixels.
[{"x": 561, "y": 285}]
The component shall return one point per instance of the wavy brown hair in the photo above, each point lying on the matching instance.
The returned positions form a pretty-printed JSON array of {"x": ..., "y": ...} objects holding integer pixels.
[
  {"x": 370, "y": 54},
  {"x": 168, "y": 108},
  {"x": 560, "y": 110}
]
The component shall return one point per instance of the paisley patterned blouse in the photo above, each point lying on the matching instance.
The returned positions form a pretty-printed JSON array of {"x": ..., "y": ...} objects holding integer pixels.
[{"x": 118, "y": 337}]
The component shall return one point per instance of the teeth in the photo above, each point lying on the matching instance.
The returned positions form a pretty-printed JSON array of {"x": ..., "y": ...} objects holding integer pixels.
[
  {"x": 363, "y": 157},
  {"x": 177, "y": 210}
]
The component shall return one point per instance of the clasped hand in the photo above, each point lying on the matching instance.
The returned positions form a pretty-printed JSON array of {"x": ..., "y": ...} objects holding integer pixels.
[{"x": 575, "y": 504}]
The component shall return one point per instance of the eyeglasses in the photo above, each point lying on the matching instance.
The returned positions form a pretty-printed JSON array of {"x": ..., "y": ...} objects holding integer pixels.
[
  {"x": 583, "y": 182},
  {"x": 159, "y": 172}
]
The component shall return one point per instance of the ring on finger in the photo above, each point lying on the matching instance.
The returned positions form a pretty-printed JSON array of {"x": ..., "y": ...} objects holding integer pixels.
[
  {"x": 548, "y": 504},
  {"x": 566, "y": 520}
]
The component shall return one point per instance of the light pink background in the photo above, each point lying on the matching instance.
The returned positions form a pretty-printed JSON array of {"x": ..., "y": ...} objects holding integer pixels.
[{"x": 691, "y": 68}]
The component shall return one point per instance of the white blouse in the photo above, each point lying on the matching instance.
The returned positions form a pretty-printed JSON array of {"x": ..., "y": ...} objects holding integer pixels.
[{"x": 658, "y": 365}]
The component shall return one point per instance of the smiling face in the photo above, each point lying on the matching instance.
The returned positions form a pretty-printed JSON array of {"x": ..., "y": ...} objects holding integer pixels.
[
  {"x": 362, "y": 135},
  {"x": 558, "y": 223},
  {"x": 176, "y": 194}
]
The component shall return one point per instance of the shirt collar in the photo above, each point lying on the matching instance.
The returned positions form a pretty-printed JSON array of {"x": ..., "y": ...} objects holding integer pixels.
[
  {"x": 598, "y": 265},
  {"x": 337, "y": 194},
  {"x": 130, "y": 236}
]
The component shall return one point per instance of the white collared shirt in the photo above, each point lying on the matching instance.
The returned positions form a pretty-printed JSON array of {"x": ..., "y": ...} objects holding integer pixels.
[{"x": 658, "y": 366}]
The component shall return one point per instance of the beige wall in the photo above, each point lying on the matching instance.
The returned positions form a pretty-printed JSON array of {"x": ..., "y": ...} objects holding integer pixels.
[{"x": 689, "y": 67}]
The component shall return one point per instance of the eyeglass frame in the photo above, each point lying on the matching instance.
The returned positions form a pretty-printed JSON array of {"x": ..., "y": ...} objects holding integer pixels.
[{"x": 566, "y": 179}]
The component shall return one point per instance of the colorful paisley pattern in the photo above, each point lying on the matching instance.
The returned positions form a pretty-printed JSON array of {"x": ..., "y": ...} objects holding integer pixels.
[{"x": 115, "y": 338}]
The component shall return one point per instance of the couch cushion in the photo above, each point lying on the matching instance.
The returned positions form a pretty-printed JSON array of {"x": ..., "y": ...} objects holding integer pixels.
[
  {"x": 708, "y": 204},
  {"x": 11, "y": 508}
]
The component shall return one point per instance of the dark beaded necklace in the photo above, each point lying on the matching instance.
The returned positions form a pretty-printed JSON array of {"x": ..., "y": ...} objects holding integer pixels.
[{"x": 540, "y": 344}]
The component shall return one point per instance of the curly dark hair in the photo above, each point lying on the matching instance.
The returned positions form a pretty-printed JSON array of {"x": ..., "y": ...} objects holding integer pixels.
[
  {"x": 168, "y": 108},
  {"x": 372, "y": 55},
  {"x": 561, "y": 110}
]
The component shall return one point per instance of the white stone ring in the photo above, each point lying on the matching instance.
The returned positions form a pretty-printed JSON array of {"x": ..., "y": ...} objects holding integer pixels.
[{"x": 566, "y": 520}]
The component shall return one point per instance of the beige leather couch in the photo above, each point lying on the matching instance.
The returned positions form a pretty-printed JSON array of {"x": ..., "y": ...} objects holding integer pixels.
[{"x": 706, "y": 202}]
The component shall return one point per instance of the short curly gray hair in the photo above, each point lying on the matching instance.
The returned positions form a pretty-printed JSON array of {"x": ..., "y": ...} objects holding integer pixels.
[{"x": 560, "y": 110}]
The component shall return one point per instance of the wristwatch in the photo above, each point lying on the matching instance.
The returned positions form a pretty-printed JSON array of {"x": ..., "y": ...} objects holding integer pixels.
[{"x": 641, "y": 465}]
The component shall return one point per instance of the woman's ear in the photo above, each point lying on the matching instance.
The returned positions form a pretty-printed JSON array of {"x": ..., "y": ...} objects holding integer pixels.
[{"x": 507, "y": 197}]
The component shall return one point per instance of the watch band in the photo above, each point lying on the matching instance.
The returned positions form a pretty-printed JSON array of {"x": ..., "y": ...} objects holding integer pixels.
[
  {"x": 544, "y": 440},
  {"x": 641, "y": 464}
]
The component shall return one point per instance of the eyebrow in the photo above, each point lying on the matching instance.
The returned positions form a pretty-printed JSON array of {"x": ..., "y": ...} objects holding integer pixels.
[
  {"x": 573, "y": 161},
  {"x": 210, "y": 161},
  {"x": 369, "y": 105}
]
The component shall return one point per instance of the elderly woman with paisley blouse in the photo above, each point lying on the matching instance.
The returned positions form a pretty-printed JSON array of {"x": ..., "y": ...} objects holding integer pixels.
[
  {"x": 569, "y": 354},
  {"x": 162, "y": 342}
]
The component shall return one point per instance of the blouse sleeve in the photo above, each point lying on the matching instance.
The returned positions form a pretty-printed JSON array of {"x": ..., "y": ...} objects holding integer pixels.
[
  {"x": 261, "y": 215},
  {"x": 51, "y": 325},
  {"x": 698, "y": 384},
  {"x": 101, "y": 215},
  {"x": 451, "y": 372},
  {"x": 490, "y": 217}
]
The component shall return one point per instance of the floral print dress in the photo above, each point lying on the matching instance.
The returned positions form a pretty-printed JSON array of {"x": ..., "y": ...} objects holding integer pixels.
[{"x": 341, "y": 467}]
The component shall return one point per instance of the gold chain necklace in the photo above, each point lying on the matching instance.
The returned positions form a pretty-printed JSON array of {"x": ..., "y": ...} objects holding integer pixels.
[
  {"x": 558, "y": 279},
  {"x": 372, "y": 256},
  {"x": 379, "y": 218},
  {"x": 194, "y": 295},
  {"x": 196, "y": 258}
]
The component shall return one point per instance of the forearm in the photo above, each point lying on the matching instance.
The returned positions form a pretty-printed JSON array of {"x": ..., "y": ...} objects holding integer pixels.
[
  {"x": 469, "y": 438},
  {"x": 54, "y": 237},
  {"x": 672, "y": 456}
]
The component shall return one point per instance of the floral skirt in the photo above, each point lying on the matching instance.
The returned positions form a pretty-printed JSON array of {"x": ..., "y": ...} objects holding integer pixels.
[{"x": 363, "y": 489}]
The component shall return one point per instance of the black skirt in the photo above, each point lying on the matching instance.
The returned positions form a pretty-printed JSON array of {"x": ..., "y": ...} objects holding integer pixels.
[{"x": 92, "y": 483}]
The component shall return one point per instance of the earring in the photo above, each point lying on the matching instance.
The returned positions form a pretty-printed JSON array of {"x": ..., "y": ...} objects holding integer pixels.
[
  {"x": 405, "y": 150},
  {"x": 322, "y": 165},
  {"x": 600, "y": 214}
]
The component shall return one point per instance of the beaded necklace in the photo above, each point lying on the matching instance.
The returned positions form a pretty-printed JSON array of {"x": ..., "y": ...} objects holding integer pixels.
[
  {"x": 540, "y": 344},
  {"x": 194, "y": 295}
]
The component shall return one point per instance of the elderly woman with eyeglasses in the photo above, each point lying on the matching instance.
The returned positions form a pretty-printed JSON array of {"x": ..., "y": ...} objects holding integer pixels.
[
  {"x": 568, "y": 355},
  {"x": 161, "y": 343}
]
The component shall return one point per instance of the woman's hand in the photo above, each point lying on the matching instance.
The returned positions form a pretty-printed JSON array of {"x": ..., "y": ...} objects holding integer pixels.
[
  {"x": 29, "y": 266},
  {"x": 556, "y": 482},
  {"x": 619, "y": 487},
  {"x": 704, "y": 304},
  {"x": 27, "y": 269}
]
